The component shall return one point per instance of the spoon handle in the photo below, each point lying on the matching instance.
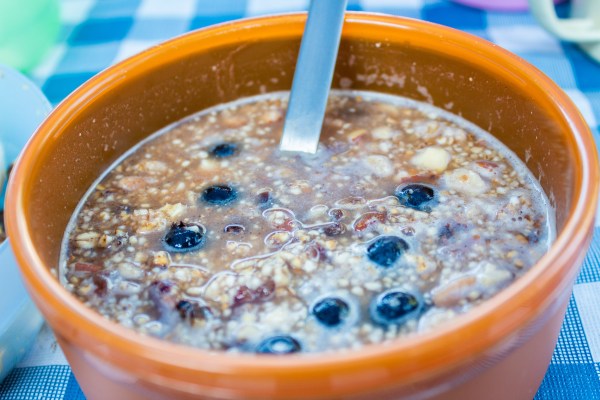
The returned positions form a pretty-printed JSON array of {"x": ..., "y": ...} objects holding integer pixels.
[{"x": 313, "y": 75}]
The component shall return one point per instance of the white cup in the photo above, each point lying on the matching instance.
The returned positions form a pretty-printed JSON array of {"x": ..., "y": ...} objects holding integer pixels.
[
  {"x": 583, "y": 27},
  {"x": 22, "y": 107}
]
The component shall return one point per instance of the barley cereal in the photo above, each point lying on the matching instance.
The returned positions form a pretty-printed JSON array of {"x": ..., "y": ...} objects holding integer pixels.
[{"x": 207, "y": 235}]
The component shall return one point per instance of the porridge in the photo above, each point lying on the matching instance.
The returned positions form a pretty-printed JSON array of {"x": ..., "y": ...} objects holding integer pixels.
[{"x": 205, "y": 234}]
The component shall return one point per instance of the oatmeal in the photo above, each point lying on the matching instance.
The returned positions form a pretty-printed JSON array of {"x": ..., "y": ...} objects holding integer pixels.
[{"x": 206, "y": 234}]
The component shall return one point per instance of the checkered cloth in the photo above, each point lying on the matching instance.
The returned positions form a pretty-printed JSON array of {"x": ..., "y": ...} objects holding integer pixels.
[{"x": 98, "y": 33}]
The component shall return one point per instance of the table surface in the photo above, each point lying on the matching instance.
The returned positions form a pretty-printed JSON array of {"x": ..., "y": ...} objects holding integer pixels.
[{"x": 98, "y": 33}]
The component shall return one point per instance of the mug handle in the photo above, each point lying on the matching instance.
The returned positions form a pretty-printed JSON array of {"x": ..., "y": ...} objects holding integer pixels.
[{"x": 580, "y": 30}]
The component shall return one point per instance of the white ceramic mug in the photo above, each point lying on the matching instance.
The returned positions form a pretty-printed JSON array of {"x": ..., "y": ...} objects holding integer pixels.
[{"x": 583, "y": 27}]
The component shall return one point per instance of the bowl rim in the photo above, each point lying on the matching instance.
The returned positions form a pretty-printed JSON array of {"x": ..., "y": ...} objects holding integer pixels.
[{"x": 416, "y": 355}]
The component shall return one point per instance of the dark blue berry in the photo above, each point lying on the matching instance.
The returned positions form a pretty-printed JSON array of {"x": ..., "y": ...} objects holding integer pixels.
[
  {"x": 219, "y": 194},
  {"x": 223, "y": 150},
  {"x": 331, "y": 311},
  {"x": 265, "y": 199},
  {"x": 184, "y": 237},
  {"x": 279, "y": 345},
  {"x": 386, "y": 250},
  {"x": 189, "y": 311},
  {"x": 416, "y": 196},
  {"x": 395, "y": 307},
  {"x": 185, "y": 308}
]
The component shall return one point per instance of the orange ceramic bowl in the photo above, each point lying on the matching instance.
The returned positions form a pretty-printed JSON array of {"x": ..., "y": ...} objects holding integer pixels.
[{"x": 500, "y": 350}]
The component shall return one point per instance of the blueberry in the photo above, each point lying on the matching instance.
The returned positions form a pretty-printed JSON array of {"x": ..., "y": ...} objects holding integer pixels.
[
  {"x": 219, "y": 194},
  {"x": 395, "y": 307},
  {"x": 223, "y": 150},
  {"x": 279, "y": 345},
  {"x": 185, "y": 308},
  {"x": 265, "y": 199},
  {"x": 190, "y": 312},
  {"x": 184, "y": 237},
  {"x": 416, "y": 196},
  {"x": 331, "y": 311},
  {"x": 386, "y": 250}
]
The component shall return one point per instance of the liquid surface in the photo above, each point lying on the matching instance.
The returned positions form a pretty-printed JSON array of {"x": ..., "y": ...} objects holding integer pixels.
[{"x": 206, "y": 234}]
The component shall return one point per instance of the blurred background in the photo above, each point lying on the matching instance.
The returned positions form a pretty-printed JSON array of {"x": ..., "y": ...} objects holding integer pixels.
[{"x": 62, "y": 43}]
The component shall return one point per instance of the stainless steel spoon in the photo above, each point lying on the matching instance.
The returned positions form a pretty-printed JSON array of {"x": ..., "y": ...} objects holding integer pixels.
[{"x": 313, "y": 75}]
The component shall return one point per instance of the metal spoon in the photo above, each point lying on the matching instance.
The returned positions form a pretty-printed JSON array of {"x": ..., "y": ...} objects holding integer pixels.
[{"x": 312, "y": 79}]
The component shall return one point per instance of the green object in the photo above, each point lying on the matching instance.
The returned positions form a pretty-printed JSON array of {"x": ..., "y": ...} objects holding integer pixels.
[{"x": 27, "y": 30}]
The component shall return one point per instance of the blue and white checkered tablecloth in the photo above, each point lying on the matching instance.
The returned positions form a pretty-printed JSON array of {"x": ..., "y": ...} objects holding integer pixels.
[{"x": 98, "y": 33}]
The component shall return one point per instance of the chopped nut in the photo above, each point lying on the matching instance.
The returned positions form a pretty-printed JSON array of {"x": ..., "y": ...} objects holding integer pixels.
[
  {"x": 278, "y": 239},
  {"x": 152, "y": 166},
  {"x": 270, "y": 116},
  {"x": 465, "y": 181},
  {"x": 373, "y": 286},
  {"x": 105, "y": 240},
  {"x": 130, "y": 271},
  {"x": 233, "y": 120},
  {"x": 383, "y": 132},
  {"x": 173, "y": 211},
  {"x": 431, "y": 158},
  {"x": 133, "y": 183},
  {"x": 355, "y": 135},
  {"x": 454, "y": 291},
  {"x": 161, "y": 259},
  {"x": 379, "y": 165},
  {"x": 87, "y": 240}
]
